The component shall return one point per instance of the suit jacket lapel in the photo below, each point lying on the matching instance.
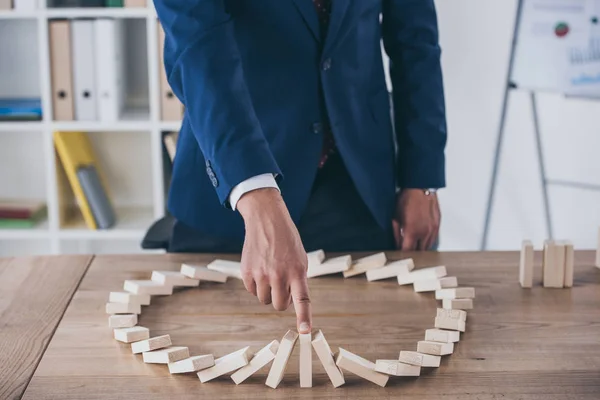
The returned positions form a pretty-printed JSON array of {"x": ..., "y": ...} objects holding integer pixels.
[
  {"x": 338, "y": 11},
  {"x": 307, "y": 9}
]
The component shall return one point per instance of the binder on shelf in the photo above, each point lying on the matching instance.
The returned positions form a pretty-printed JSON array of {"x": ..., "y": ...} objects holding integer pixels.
[
  {"x": 109, "y": 38},
  {"x": 5, "y": 5},
  {"x": 25, "y": 5},
  {"x": 171, "y": 108},
  {"x": 84, "y": 65},
  {"x": 97, "y": 198},
  {"x": 20, "y": 109},
  {"x": 136, "y": 3},
  {"x": 114, "y": 3},
  {"x": 60, "y": 70},
  {"x": 75, "y": 3}
]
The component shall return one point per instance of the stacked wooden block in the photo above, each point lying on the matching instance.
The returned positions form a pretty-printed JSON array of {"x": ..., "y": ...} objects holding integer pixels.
[{"x": 557, "y": 264}]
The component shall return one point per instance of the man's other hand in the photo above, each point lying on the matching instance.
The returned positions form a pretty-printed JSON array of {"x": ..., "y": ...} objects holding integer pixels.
[
  {"x": 417, "y": 220},
  {"x": 274, "y": 261}
]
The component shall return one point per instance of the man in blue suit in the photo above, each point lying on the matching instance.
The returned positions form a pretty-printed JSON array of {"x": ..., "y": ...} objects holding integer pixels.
[{"x": 287, "y": 144}]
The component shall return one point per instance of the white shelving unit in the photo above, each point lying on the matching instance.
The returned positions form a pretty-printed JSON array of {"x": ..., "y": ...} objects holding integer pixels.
[{"x": 129, "y": 151}]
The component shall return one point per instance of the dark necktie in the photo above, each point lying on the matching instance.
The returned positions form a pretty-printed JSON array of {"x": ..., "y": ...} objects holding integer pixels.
[{"x": 323, "y": 8}]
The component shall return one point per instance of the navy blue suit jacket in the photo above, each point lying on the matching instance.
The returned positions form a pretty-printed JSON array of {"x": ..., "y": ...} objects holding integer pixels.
[{"x": 258, "y": 84}]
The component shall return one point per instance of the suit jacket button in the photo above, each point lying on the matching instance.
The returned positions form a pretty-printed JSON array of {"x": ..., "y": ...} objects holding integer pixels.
[{"x": 326, "y": 64}]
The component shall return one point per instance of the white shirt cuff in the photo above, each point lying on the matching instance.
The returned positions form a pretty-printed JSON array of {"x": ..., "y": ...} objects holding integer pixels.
[{"x": 250, "y": 184}]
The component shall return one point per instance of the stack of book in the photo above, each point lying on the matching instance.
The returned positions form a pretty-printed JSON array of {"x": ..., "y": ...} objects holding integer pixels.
[
  {"x": 20, "y": 109},
  {"x": 16, "y": 214}
]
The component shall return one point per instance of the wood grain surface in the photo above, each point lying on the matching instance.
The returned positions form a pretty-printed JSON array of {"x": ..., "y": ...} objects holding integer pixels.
[
  {"x": 34, "y": 294},
  {"x": 541, "y": 344}
]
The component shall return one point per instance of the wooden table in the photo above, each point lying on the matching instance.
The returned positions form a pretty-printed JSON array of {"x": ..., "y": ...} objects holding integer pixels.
[{"x": 539, "y": 344}]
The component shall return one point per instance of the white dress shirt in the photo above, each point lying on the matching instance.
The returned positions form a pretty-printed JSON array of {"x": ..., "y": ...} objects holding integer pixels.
[{"x": 250, "y": 184}]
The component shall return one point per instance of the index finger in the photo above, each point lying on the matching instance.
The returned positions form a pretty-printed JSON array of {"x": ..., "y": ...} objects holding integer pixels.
[{"x": 301, "y": 299}]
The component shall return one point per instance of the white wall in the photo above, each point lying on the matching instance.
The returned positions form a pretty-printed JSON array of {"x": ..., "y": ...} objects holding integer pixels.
[{"x": 475, "y": 40}]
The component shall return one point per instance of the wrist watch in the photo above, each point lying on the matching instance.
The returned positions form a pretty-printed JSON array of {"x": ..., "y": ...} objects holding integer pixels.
[{"x": 430, "y": 191}]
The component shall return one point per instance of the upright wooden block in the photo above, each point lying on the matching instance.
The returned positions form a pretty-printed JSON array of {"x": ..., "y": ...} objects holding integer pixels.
[
  {"x": 166, "y": 355},
  {"x": 123, "y": 308},
  {"x": 554, "y": 264},
  {"x": 569, "y": 263},
  {"x": 397, "y": 368},
  {"x": 325, "y": 355},
  {"x": 173, "y": 278},
  {"x": 315, "y": 257},
  {"x": 126, "y": 297},
  {"x": 147, "y": 287},
  {"x": 526, "y": 264},
  {"x": 598, "y": 251},
  {"x": 226, "y": 364},
  {"x": 457, "y": 304},
  {"x": 122, "y": 320},
  {"x": 192, "y": 364},
  {"x": 133, "y": 334},
  {"x": 229, "y": 268},
  {"x": 330, "y": 266},
  {"x": 281, "y": 359},
  {"x": 419, "y": 359},
  {"x": 455, "y": 293},
  {"x": 260, "y": 359},
  {"x": 364, "y": 264},
  {"x": 203, "y": 273},
  {"x": 451, "y": 314},
  {"x": 155, "y": 343},
  {"x": 435, "y": 348},
  {"x": 305, "y": 340},
  {"x": 440, "y": 335},
  {"x": 450, "y": 323},
  {"x": 431, "y": 285},
  {"x": 361, "y": 367},
  {"x": 392, "y": 270},
  {"x": 422, "y": 274}
]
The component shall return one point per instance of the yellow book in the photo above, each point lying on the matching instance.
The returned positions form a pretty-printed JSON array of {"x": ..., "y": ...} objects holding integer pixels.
[{"x": 74, "y": 150}]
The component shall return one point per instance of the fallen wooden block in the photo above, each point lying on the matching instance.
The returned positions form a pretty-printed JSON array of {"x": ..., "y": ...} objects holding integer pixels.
[
  {"x": 364, "y": 264},
  {"x": 173, "y": 278},
  {"x": 455, "y": 293},
  {"x": 457, "y": 304},
  {"x": 192, "y": 364},
  {"x": 123, "y": 308},
  {"x": 452, "y": 314},
  {"x": 315, "y": 257},
  {"x": 553, "y": 264},
  {"x": 526, "y": 264},
  {"x": 440, "y": 335},
  {"x": 226, "y": 364},
  {"x": 325, "y": 355},
  {"x": 569, "y": 263},
  {"x": 392, "y": 270},
  {"x": 133, "y": 334},
  {"x": 419, "y": 359},
  {"x": 397, "y": 368},
  {"x": 361, "y": 367},
  {"x": 155, "y": 343},
  {"x": 203, "y": 273},
  {"x": 431, "y": 285},
  {"x": 166, "y": 355},
  {"x": 260, "y": 359},
  {"x": 450, "y": 323},
  {"x": 126, "y": 297},
  {"x": 435, "y": 348},
  {"x": 147, "y": 287},
  {"x": 331, "y": 266},
  {"x": 305, "y": 360},
  {"x": 281, "y": 359},
  {"x": 229, "y": 268},
  {"x": 122, "y": 320},
  {"x": 422, "y": 274}
]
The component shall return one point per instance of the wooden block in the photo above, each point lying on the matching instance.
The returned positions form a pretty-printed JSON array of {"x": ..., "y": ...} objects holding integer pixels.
[
  {"x": 203, "y": 273},
  {"x": 133, "y": 334},
  {"x": 229, "y": 268},
  {"x": 554, "y": 264},
  {"x": 326, "y": 357},
  {"x": 526, "y": 264},
  {"x": 315, "y": 257},
  {"x": 126, "y": 297},
  {"x": 173, "y": 278},
  {"x": 331, "y": 266},
  {"x": 598, "y": 251},
  {"x": 440, "y": 335},
  {"x": 451, "y": 314},
  {"x": 392, "y": 270},
  {"x": 281, "y": 359},
  {"x": 361, "y": 367},
  {"x": 155, "y": 343},
  {"x": 450, "y": 323},
  {"x": 192, "y": 364},
  {"x": 226, "y": 364},
  {"x": 123, "y": 308},
  {"x": 122, "y": 321},
  {"x": 166, "y": 355},
  {"x": 435, "y": 348},
  {"x": 569, "y": 263},
  {"x": 420, "y": 359},
  {"x": 397, "y": 368},
  {"x": 364, "y": 264},
  {"x": 147, "y": 287},
  {"x": 457, "y": 304},
  {"x": 260, "y": 359},
  {"x": 305, "y": 340},
  {"x": 455, "y": 293},
  {"x": 431, "y": 285},
  {"x": 422, "y": 274}
]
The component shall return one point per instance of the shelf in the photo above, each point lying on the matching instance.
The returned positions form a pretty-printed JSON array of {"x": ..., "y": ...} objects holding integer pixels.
[
  {"x": 99, "y": 126},
  {"x": 107, "y": 12},
  {"x": 21, "y": 126},
  {"x": 18, "y": 15},
  {"x": 132, "y": 223},
  {"x": 170, "y": 126},
  {"x": 39, "y": 232}
]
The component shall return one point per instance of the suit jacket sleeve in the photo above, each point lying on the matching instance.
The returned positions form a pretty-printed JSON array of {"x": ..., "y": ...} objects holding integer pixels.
[
  {"x": 204, "y": 69},
  {"x": 410, "y": 36}
]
